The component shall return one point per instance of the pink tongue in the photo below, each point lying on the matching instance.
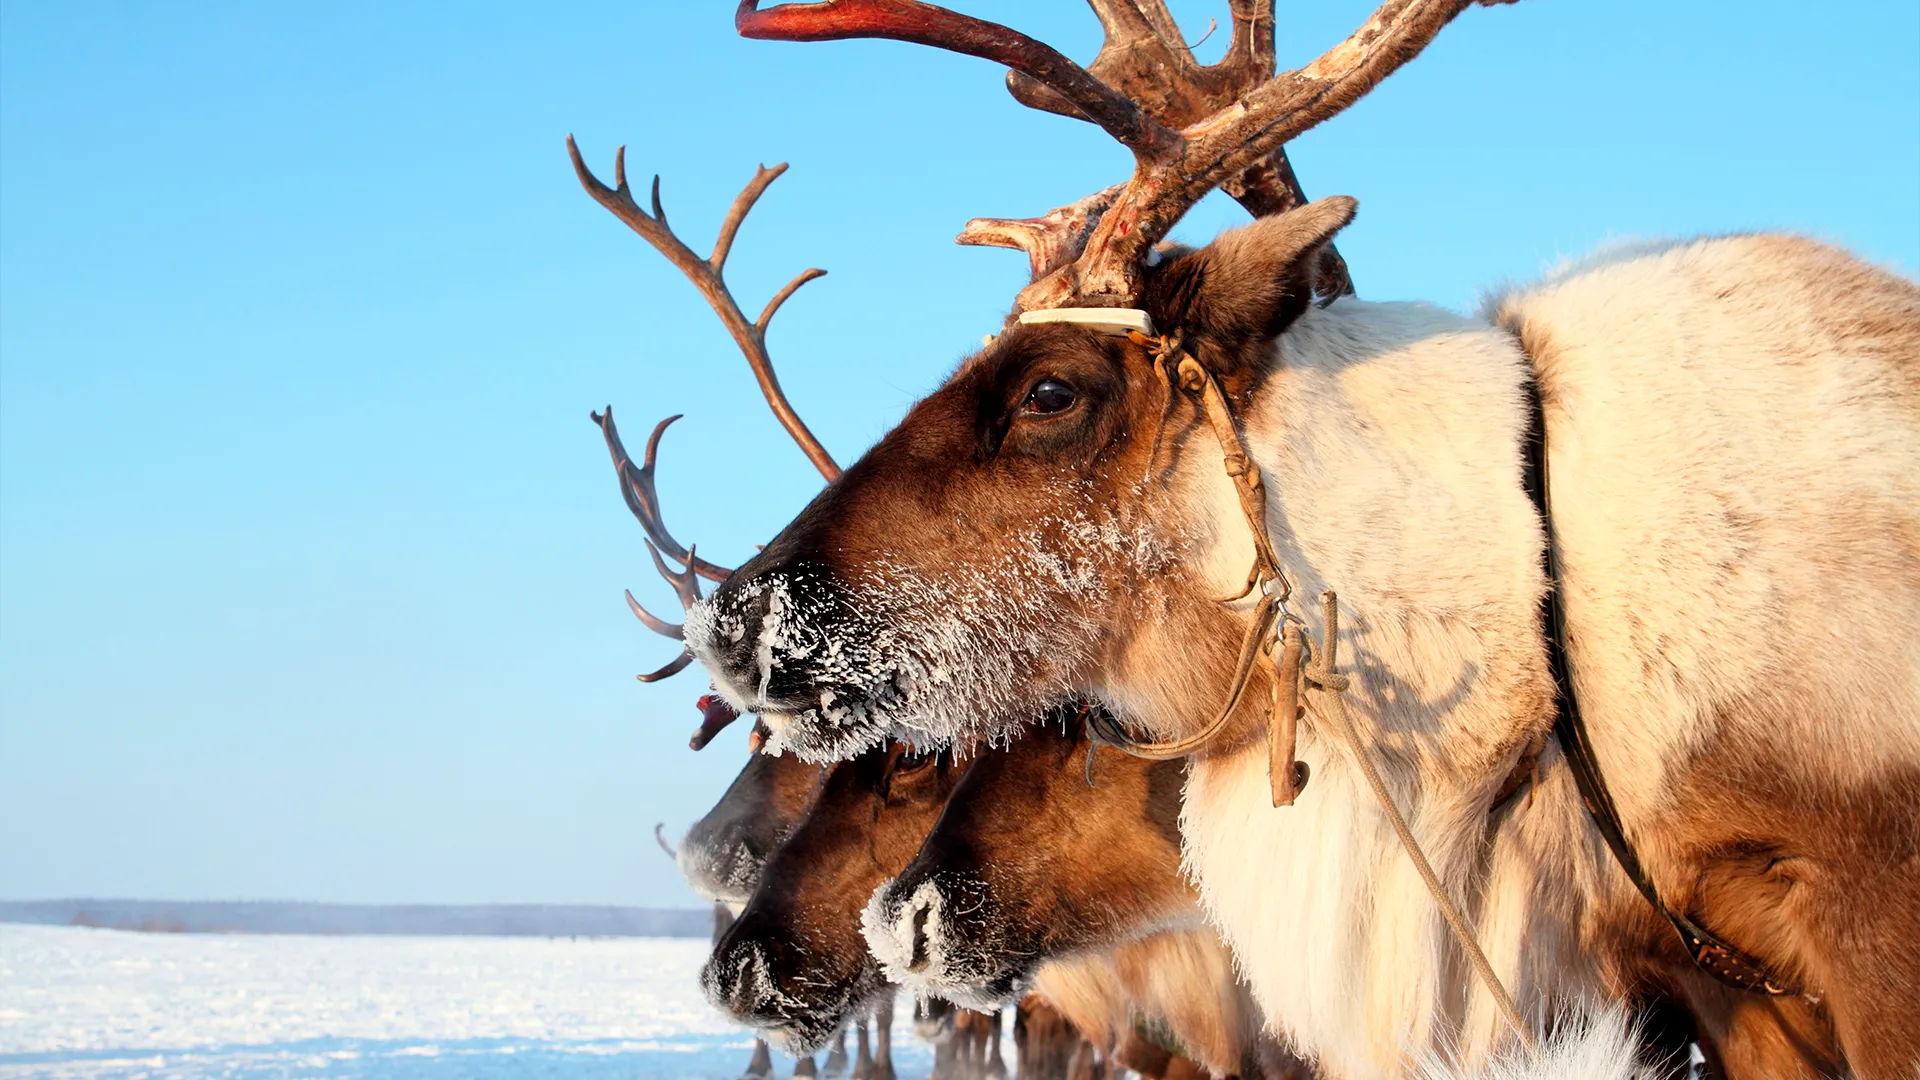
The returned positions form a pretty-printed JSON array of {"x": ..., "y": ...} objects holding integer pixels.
[{"x": 715, "y": 714}]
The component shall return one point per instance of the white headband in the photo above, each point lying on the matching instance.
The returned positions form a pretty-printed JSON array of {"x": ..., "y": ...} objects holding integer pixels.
[{"x": 1116, "y": 321}]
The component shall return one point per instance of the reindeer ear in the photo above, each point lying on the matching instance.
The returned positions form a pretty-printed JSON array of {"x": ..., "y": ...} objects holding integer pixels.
[{"x": 1250, "y": 284}]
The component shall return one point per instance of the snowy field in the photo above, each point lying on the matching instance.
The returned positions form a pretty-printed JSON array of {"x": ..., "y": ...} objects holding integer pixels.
[{"x": 77, "y": 1002}]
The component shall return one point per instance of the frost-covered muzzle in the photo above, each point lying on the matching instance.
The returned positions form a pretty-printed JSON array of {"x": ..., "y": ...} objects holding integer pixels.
[
  {"x": 972, "y": 647},
  {"x": 790, "y": 646},
  {"x": 772, "y": 983},
  {"x": 725, "y": 868},
  {"x": 939, "y": 937}
]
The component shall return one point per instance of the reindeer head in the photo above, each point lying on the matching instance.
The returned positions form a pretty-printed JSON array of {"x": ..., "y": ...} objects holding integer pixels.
[
  {"x": 794, "y": 962},
  {"x": 1053, "y": 520},
  {"x": 1030, "y": 862},
  {"x": 1051, "y": 513},
  {"x": 724, "y": 851}
]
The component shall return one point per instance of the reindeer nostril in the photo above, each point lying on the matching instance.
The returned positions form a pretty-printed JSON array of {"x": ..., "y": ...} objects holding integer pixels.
[
  {"x": 750, "y": 983},
  {"x": 738, "y": 981},
  {"x": 918, "y": 959}
]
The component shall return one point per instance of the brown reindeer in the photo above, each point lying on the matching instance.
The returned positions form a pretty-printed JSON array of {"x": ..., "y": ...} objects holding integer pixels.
[
  {"x": 1061, "y": 847},
  {"x": 723, "y": 852},
  {"x": 794, "y": 964},
  {"x": 1731, "y": 434},
  {"x": 1038, "y": 853},
  {"x": 723, "y": 856}
]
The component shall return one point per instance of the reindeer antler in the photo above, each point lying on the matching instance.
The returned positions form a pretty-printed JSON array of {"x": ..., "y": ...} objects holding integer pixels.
[
  {"x": 1102, "y": 240},
  {"x": 636, "y": 483},
  {"x": 636, "y": 487},
  {"x": 706, "y": 275},
  {"x": 1145, "y": 57}
]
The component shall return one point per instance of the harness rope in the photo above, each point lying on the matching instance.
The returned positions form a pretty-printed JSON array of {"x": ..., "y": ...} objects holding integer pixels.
[{"x": 1274, "y": 628}]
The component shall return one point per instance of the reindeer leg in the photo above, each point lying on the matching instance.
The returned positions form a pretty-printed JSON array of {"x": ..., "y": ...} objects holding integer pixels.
[
  {"x": 863, "y": 1066},
  {"x": 996, "y": 1065},
  {"x": 836, "y": 1065},
  {"x": 761, "y": 1067},
  {"x": 1084, "y": 1065},
  {"x": 804, "y": 1069},
  {"x": 883, "y": 1038}
]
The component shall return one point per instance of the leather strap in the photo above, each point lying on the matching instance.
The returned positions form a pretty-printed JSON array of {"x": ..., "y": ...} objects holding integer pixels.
[{"x": 1710, "y": 953}]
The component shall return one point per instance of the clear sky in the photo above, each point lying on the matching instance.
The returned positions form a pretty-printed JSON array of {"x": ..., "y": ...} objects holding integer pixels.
[{"x": 310, "y": 560}]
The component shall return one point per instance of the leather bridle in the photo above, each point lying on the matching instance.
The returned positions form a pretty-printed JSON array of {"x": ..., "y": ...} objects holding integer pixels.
[{"x": 1709, "y": 952}]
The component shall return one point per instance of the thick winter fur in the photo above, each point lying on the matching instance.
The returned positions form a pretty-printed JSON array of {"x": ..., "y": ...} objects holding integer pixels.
[
  {"x": 1599, "y": 1047},
  {"x": 1734, "y": 438},
  {"x": 1180, "y": 979},
  {"x": 1031, "y": 861},
  {"x": 1734, "y": 445},
  {"x": 1705, "y": 409}
]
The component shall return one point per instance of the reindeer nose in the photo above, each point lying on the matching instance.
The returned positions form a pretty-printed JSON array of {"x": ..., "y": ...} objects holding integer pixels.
[
  {"x": 917, "y": 929},
  {"x": 738, "y": 981},
  {"x": 919, "y": 952}
]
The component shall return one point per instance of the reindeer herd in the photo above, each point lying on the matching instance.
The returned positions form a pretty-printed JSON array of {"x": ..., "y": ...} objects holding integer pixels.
[{"x": 1247, "y": 679}]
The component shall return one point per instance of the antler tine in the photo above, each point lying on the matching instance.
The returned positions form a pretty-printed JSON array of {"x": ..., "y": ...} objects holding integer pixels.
[
  {"x": 674, "y": 667},
  {"x": 736, "y": 214},
  {"x": 1251, "y": 49},
  {"x": 654, "y": 622},
  {"x": 1142, "y": 56},
  {"x": 643, "y": 499},
  {"x": 705, "y": 274},
  {"x": 929, "y": 24},
  {"x": 1230, "y": 142},
  {"x": 1050, "y": 240},
  {"x": 686, "y": 583}
]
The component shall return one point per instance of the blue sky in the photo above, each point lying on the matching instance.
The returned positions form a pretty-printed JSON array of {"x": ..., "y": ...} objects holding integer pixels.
[{"x": 310, "y": 560}]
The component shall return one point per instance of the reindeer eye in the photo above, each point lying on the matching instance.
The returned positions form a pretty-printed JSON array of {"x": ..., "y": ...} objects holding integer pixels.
[
  {"x": 912, "y": 761},
  {"x": 1049, "y": 396}
]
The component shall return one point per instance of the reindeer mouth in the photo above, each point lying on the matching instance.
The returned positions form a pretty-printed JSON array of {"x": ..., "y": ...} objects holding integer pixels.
[
  {"x": 801, "y": 1015},
  {"x": 836, "y": 668}
]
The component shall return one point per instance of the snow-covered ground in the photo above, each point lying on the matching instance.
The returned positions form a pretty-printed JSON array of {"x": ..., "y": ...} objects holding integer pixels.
[{"x": 78, "y": 1002}]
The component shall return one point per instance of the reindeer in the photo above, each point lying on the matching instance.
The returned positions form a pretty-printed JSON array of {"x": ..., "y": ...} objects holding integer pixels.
[
  {"x": 1060, "y": 848},
  {"x": 1717, "y": 725},
  {"x": 794, "y": 963},
  {"x": 723, "y": 856}
]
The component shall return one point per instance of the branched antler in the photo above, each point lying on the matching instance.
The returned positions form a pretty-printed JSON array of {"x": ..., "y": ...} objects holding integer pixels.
[
  {"x": 927, "y": 24},
  {"x": 1233, "y": 118},
  {"x": 706, "y": 275},
  {"x": 636, "y": 487}
]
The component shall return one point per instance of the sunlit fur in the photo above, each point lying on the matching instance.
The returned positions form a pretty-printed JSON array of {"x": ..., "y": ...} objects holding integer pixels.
[
  {"x": 1736, "y": 489},
  {"x": 1599, "y": 1047},
  {"x": 1734, "y": 440}
]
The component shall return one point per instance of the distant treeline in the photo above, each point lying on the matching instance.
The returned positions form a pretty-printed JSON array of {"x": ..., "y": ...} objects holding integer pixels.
[{"x": 292, "y": 917}]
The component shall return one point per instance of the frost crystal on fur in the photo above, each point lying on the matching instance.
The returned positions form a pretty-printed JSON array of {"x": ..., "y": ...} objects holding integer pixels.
[
  {"x": 725, "y": 873},
  {"x": 917, "y": 948},
  {"x": 976, "y": 649}
]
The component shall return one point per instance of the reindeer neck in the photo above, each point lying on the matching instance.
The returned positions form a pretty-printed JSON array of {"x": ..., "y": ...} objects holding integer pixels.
[{"x": 1389, "y": 438}]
